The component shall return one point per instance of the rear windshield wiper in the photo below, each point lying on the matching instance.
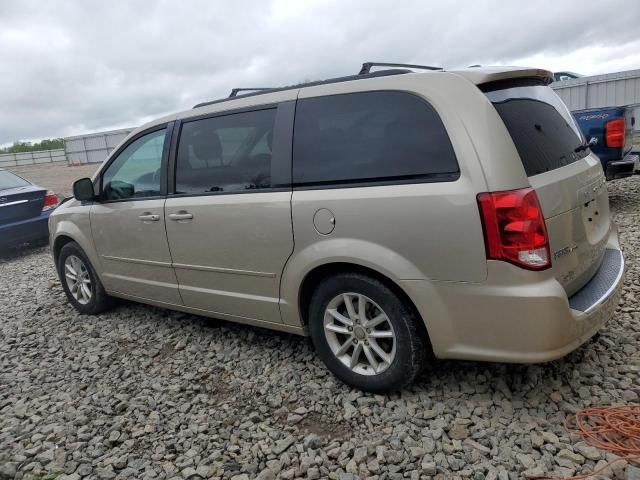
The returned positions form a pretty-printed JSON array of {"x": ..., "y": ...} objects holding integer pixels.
[
  {"x": 592, "y": 141},
  {"x": 581, "y": 148}
]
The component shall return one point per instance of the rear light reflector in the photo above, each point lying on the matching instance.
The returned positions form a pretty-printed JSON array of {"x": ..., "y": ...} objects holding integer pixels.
[
  {"x": 514, "y": 228},
  {"x": 50, "y": 201},
  {"x": 614, "y": 132}
]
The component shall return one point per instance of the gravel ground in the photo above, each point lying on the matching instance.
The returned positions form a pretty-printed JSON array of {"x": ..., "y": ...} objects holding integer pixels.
[
  {"x": 147, "y": 393},
  {"x": 57, "y": 176}
]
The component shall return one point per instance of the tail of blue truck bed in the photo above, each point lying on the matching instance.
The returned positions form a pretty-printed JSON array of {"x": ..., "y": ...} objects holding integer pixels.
[{"x": 613, "y": 129}]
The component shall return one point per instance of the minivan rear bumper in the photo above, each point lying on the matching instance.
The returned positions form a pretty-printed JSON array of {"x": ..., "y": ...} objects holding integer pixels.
[
  {"x": 517, "y": 317},
  {"x": 602, "y": 285}
]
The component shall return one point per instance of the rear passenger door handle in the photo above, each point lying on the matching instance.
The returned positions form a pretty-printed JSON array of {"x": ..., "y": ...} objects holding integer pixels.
[
  {"x": 181, "y": 216},
  {"x": 149, "y": 217}
]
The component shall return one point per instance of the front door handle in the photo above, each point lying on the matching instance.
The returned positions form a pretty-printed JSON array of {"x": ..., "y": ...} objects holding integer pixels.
[
  {"x": 181, "y": 216},
  {"x": 149, "y": 217}
]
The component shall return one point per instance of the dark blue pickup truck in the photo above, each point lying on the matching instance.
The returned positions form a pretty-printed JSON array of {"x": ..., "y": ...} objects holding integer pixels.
[{"x": 609, "y": 132}]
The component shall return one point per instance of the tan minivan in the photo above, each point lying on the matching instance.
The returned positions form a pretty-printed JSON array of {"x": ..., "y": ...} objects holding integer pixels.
[{"x": 386, "y": 215}]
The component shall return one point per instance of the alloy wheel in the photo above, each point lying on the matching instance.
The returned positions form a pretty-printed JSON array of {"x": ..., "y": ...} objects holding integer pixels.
[
  {"x": 359, "y": 333},
  {"x": 78, "y": 279}
]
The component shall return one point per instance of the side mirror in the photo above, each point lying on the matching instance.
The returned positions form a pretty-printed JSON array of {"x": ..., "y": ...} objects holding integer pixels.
[{"x": 83, "y": 190}]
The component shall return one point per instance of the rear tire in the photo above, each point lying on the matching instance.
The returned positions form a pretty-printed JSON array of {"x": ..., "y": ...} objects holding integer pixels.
[
  {"x": 374, "y": 343},
  {"x": 80, "y": 281}
]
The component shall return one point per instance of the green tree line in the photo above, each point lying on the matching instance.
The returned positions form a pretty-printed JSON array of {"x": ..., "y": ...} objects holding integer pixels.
[{"x": 47, "y": 144}]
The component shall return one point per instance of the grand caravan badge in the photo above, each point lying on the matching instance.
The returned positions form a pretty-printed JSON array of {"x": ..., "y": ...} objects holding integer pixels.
[{"x": 563, "y": 252}]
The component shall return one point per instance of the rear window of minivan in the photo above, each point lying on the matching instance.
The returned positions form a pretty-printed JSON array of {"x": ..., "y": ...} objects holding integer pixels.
[
  {"x": 541, "y": 127},
  {"x": 370, "y": 137}
]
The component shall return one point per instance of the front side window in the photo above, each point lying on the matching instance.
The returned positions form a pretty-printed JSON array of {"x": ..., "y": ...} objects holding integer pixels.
[
  {"x": 368, "y": 137},
  {"x": 229, "y": 153},
  {"x": 135, "y": 173}
]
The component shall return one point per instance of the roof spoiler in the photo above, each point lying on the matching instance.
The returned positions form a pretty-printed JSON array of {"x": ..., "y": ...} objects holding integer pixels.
[{"x": 481, "y": 75}]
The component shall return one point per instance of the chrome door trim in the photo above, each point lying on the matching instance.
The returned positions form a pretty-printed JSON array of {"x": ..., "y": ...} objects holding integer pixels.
[
  {"x": 232, "y": 271},
  {"x": 185, "y": 266},
  {"x": 137, "y": 260}
]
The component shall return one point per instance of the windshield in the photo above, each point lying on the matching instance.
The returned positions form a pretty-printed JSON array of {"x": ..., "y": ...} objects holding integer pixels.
[
  {"x": 542, "y": 128},
  {"x": 9, "y": 180}
]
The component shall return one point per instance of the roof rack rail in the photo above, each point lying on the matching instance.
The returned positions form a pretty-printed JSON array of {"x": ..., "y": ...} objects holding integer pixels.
[
  {"x": 262, "y": 91},
  {"x": 366, "y": 67},
  {"x": 235, "y": 91}
]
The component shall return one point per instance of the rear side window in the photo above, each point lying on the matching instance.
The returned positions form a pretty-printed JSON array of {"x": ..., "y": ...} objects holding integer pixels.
[
  {"x": 542, "y": 128},
  {"x": 229, "y": 153},
  {"x": 368, "y": 137},
  {"x": 9, "y": 180}
]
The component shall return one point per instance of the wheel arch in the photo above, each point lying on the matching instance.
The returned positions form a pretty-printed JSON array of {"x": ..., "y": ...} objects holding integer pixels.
[
  {"x": 67, "y": 232},
  {"x": 316, "y": 275},
  {"x": 59, "y": 242}
]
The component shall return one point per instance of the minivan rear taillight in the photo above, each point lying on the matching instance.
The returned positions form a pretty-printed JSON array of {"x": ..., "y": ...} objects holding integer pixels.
[
  {"x": 614, "y": 132},
  {"x": 50, "y": 201},
  {"x": 514, "y": 228}
]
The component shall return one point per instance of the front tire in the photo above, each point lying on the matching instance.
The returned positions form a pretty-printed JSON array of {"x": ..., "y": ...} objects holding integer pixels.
[
  {"x": 80, "y": 281},
  {"x": 365, "y": 334}
]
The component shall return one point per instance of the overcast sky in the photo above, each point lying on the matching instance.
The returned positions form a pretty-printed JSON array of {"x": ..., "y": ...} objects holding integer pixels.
[{"x": 82, "y": 66}]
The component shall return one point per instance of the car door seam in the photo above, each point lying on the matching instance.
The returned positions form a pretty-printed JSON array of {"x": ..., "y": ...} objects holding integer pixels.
[{"x": 166, "y": 236}]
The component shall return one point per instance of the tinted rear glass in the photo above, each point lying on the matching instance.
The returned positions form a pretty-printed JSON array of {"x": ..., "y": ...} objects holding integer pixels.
[
  {"x": 369, "y": 136},
  {"x": 542, "y": 128},
  {"x": 229, "y": 153},
  {"x": 9, "y": 180}
]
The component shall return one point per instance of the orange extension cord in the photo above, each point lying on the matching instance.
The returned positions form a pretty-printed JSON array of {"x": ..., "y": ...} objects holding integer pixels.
[{"x": 615, "y": 429}]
